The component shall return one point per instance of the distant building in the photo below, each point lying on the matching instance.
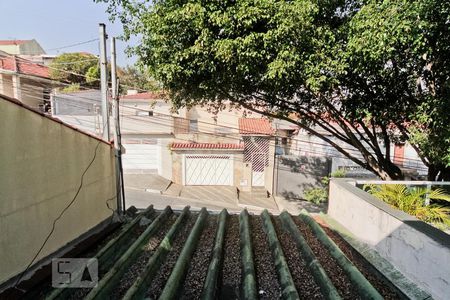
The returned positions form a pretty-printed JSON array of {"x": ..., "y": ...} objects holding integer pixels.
[
  {"x": 25, "y": 80},
  {"x": 21, "y": 47}
]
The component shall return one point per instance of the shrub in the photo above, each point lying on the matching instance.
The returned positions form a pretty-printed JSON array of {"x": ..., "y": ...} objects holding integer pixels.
[
  {"x": 412, "y": 201},
  {"x": 318, "y": 195}
]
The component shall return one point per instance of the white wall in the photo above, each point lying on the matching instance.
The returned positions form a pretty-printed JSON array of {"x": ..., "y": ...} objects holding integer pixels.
[{"x": 419, "y": 251}]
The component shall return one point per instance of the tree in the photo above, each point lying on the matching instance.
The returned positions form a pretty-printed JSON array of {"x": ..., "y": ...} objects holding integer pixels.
[
  {"x": 76, "y": 68},
  {"x": 131, "y": 77},
  {"x": 365, "y": 72}
]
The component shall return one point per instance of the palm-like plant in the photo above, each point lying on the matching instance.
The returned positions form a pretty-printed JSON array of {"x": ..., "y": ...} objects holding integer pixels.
[{"x": 412, "y": 201}]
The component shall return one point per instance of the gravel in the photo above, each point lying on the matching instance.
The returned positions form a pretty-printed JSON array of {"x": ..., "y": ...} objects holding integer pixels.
[
  {"x": 158, "y": 283},
  {"x": 198, "y": 267},
  {"x": 362, "y": 264},
  {"x": 231, "y": 271},
  {"x": 339, "y": 278},
  {"x": 266, "y": 274},
  {"x": 138, "y": 265},
  {"x": 103, "y": 269},
  {"x": 303, "y": 280}
]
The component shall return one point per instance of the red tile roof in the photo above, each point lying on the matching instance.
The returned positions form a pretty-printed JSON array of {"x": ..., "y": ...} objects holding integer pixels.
[
  {"x": 143, "y": 96},
  {"x": 23, "y": 66},
  {"x": 13, "y": 42},
  {"x": 254, "y": 126},
  {"x": 206, "y": 146}
]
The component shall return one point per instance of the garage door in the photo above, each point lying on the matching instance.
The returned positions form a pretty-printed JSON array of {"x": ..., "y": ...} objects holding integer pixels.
[
  {"x": 141, "y": 156},
  {"x": 208, "y": 170}
]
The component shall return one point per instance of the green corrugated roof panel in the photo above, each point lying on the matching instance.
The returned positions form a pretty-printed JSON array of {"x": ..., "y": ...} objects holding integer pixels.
[{"x": 205, "y": 255}]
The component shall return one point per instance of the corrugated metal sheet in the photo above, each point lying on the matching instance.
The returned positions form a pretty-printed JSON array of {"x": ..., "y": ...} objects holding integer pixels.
[{"x": 201, "y": 255}]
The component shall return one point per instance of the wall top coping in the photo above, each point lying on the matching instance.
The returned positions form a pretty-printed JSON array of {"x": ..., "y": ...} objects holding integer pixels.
[{"x": 437, "y": 235}]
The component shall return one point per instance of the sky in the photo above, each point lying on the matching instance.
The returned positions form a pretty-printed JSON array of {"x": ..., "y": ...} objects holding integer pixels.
[{"x": 59, "y": 23}]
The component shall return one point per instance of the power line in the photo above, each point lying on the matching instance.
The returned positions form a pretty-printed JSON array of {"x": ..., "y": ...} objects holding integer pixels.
[
  {"x": 309, "y": 143},
  {"x": 72, "y": 45},
  {"x": 292, "y": 139}
]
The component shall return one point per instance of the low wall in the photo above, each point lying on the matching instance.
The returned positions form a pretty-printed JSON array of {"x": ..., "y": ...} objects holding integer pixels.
[
  {"x": 418, "y": 250},
  {"x": 41, "y": 167}
]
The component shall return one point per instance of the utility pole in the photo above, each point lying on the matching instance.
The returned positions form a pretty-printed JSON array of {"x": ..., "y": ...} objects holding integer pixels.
[
  {"x": 116, "y": 132},
  {"x": 104, "y": 82}
]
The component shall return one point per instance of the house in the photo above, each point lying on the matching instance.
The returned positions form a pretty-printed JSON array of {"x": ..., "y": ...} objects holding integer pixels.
[
  {"x": 190, "y": 147},
  {"x": 299, "y": 142},
  {"x": 145, "y": 133},
  {"x": 21, "y": 47},
  {"x": 224, "y": 149},
  {"x": 26, "y": 80}
]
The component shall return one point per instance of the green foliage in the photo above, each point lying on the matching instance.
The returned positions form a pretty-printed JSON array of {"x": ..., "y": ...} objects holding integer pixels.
[
  {"x": 318, "y": 195},
  {"x": 382, "y": 63},
  {"x": 76, "y": 68},
  {"x": 397, "y": 56},
  {"x": 93, "y": 75},
  {"x": 412, "y": 201},
  {"x": 74, "y": 87},
  {"x": 131, "y": 77}
]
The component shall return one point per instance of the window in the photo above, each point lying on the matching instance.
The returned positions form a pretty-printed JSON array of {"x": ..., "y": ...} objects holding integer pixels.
[
  {"x": 144, "y": 113},
  {"x": 193, "y": 125}
]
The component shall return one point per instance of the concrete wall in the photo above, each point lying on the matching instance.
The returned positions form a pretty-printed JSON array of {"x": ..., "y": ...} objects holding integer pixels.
[
  {"x": 418, "y": 250},
  {"x": 41, "y": 166},
  {"x": 295, "y": 173}
]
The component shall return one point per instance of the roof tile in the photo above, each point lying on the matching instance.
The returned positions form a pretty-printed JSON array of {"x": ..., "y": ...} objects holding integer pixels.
[{"x": 256, "y": 126}]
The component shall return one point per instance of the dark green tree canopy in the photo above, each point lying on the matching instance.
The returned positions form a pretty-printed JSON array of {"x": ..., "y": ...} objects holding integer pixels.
[
  {"x": 76, "y": 68},
  {"x": 379, "y": 70}
]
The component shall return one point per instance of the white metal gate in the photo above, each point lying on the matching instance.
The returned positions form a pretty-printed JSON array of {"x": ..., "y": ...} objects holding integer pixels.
[
  {"x": 258, "y": 162},
  {"x": 208, "y": 170},
  {"x": 257, "y": 152},
  {"x": 141, "y": 156}
]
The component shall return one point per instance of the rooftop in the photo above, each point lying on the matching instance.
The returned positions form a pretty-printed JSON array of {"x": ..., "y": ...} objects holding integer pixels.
[
  {"x": 188, "y": 255},
  {"x": 142, "y": 96},
  {"x": 255, "y": 126},
  {"x": 23, "y": 66},
  {"x": 13, "y": 42}
]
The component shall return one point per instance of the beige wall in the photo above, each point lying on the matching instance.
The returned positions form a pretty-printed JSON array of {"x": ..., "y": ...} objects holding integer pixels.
[{"x": 41, "y": 166}]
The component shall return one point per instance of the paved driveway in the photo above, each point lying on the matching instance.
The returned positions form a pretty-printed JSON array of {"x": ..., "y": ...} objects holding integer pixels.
[{"x": 141, "y": 190}]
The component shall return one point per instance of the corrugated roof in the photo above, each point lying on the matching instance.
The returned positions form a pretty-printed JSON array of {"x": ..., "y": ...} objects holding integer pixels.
[
  {"x": 193, "y": 255},
  {"x": 211, "y": 146},
  {"x": 255, "y": 126}
]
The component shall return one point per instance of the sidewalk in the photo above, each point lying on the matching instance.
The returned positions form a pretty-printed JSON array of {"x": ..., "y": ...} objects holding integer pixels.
[
  {"x": 141, "y": 190},
  {"x": 294, "y": 207}
]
